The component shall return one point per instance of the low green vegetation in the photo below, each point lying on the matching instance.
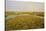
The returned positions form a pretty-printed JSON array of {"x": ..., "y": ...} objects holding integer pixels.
[
  {"x": 20, "y": 22},
  {"x": 24, "y": 12},
  {"x": 30, "y": 13}
]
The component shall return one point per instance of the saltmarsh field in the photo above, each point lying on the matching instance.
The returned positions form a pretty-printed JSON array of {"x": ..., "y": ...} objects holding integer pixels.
[{"x": 24, "y": 20}]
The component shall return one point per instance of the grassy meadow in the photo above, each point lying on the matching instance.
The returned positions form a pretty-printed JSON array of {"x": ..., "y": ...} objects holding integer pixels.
[{"x": 25, "y": 20}]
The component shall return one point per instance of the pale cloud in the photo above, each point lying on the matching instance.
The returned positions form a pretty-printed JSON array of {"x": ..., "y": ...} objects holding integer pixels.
[
  {"x": 32, "y": 0},
  {"x": 25, "y": 6},
  {"x": 11, "y": 0},
  {"x": 29, "y": 6}
]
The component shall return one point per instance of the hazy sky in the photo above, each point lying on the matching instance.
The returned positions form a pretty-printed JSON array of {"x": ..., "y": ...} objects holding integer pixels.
[{"x": 25, "y": 6}]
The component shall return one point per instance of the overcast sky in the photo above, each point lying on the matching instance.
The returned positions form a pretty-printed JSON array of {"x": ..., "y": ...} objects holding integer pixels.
[{"x": 25, "y": 6}]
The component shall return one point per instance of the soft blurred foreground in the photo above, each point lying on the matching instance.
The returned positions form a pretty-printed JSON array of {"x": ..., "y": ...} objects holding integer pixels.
[{"x": 24, "y": 20}]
